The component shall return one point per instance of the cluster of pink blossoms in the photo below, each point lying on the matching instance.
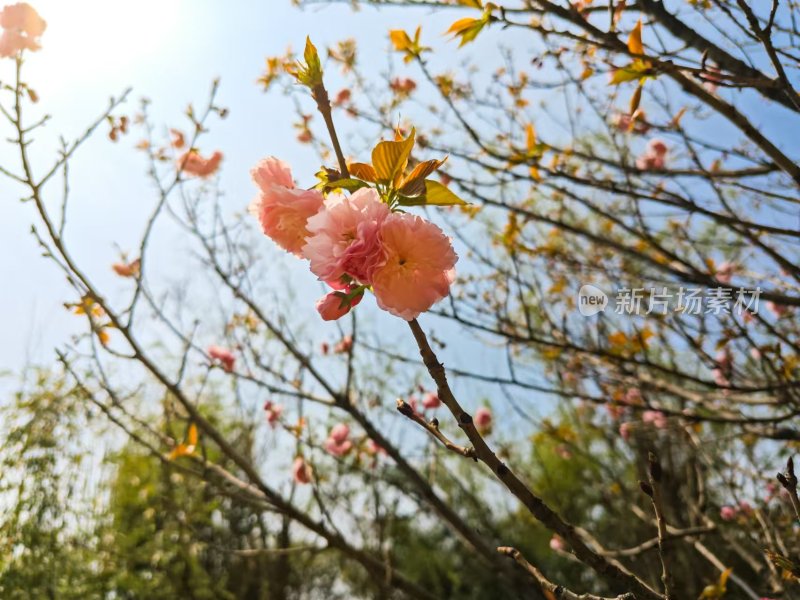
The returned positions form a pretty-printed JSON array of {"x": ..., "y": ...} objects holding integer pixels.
[
  {"x": 354, "y": 242},
  {"x": 22, "y": 26}
]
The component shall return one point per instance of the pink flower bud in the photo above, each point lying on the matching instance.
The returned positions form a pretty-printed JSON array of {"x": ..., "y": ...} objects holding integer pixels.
[
  {"x": 727, "y": 513},
  {"x": 483, "y": 419},
  {"x": 557, "y": 544},
  {"x": 222, "y": 355},
  {"x": 431, "y": 401},
  {"x": 301, "y": 471},
  {"x": 335, "y": 305}
]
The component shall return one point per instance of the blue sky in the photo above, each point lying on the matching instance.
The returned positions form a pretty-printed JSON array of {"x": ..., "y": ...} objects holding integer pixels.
[{"x": 168, "y": 51}]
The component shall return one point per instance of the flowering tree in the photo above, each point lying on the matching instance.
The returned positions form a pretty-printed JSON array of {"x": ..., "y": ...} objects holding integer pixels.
[{"x": 629, "y": 155}]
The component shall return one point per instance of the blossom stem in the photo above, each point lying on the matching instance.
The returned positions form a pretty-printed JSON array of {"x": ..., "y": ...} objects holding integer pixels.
[{"x": 320, "y": 95}]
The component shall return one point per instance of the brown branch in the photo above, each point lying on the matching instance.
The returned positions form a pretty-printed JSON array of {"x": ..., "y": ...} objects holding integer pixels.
[
  {"x": 559, "y": 591},
  {"x": 611, "y": 570}
]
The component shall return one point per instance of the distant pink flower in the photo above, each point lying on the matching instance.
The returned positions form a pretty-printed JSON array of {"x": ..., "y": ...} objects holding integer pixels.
[
  {"x": 777, "y": 309},
  {"x": 22, "y": 26},
  {"x": 744, "y": 507},
  {"x": 755, "y": 353},
  {"x": 419, "y": 266},
  {"x": 374, "y": 448},
  {"x": 343, "y": 346},
  {"x": 338, "y": 443},
  {"x": 725, "y": 272},
  {"x": 282, "y": 209},
  {"x": 193, "y": 163},
  {"x": 222, "y": 355},
  {"x": 339, "y": 432},
  {"x": 656, "y": 418},
  {"x": 625, "y": 123},
  {"x": 625, "y": 430},
  {"x": 483, "y": 419},
  {"x": 654, "y": 156},
  {"x": 413, "y": 402},
  {"x": 403, "y": 85},
  {"x": 273, "y": 412},
  {"x": 301, "y": 470},
  {"x": 722, "y": 372},
  {"x": 557, "y": 544},
  {"x": 431, "y": 400},
  {"x": 727, "y": 513},
  {"x": 334, "y": 305},
  {"x": 345, "y": 237}
]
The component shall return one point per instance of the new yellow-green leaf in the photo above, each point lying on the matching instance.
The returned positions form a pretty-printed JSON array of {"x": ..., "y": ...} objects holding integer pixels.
[
  {"x": 471, "y": 3},
  {"x": 632, "y": 72},
  {"x": 438, "y": 194},
  {"x": 400, "y": 39},
  {"x": 363, "y": 171},
  {"x": 391, "y": 158},
  {"x": 467, "y": 28},
  {"x": 413, "y": 184},
  {"x": 635, "y": 39}
]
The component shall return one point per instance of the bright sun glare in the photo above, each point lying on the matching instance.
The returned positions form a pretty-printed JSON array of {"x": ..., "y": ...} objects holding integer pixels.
[{"x": 87, "y": 41}]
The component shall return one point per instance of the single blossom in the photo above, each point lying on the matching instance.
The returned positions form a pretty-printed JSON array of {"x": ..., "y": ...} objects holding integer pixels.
[
  {"x": 273, "y": 412},
  {"x": 777, "y": 309},
  {"x": 483, "y": 419},
  {"x": 625, "y": 431},
  {"x": 338, "y": 442},
  {"x": 656, "y": 418},
  {"x": 557, "y": 544},
  {"x": 654, "y": 157},
  {"x": 626, "y": 123},
  {"x": 418, "y": 269},
  {"x": 127, "y": 269},
  {"x": 728, "y": 513},
  {"x": 431, "y": 400},
  {"x": 343, "y": 346},
  {"x": 334, "y": 305},
  {"x": 345, "y": 237},
  {"x": 301, "y": 471},
  {"x": 193, "y": 163},
  {"x": 282, "y": 209},
  {"x": 22, "y": 26},
  {"x": 222, "y": 355}
]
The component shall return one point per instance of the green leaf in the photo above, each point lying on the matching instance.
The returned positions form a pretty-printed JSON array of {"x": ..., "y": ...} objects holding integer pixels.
[
  {"x": 438, "y": 194},
  {"x": 351, "y": 185}
]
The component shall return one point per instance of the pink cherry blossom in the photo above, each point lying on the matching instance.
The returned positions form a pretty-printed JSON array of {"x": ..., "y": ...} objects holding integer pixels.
[
  {"x": 374, "y": 448},
  {"x": 343, "y": 346},
  {"x": 431, "y": 400},
  {"x": 345, "y": 237},
  {"x": 193, "y": 163},
  {"x": 334, "y": 305},
  {"x": 22, "y": 26},
  {"x": 625, "y": 123},
  {"x": 282, "y": 209},
  {"x": 483, "y": 419},
  {"x": 777, "y": 309},
  {"x": 727, "y": 513},
  {"x": 301, "y": 471},
  {"x": 625, "y": 430},
  {"x": 557, "y": 544},
  {"x": 339, "y": 432},
  {"x": 273, "y": 412},
  {"x": 338, "y": 443},
  {"x": 419, "y": 266},
  {"x": 656, "y": 418},
  {"x": 222, "y": 355},
  {"x": 654, "y": 156}
]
